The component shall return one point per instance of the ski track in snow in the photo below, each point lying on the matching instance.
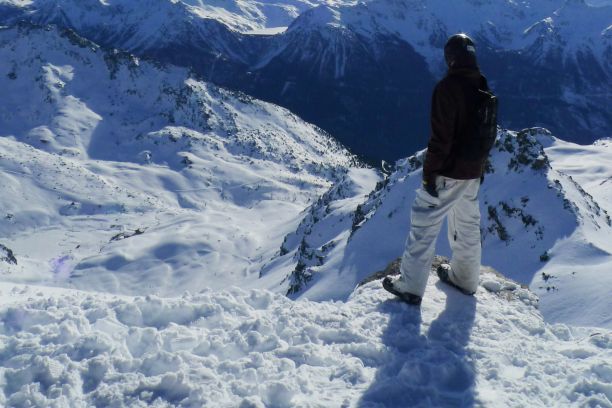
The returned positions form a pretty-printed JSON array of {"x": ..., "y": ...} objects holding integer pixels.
[{"x": 61, "y": 348}]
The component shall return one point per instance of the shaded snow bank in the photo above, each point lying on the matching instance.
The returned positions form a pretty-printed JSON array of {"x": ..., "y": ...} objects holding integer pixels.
[{"x": 255, "y": 348}]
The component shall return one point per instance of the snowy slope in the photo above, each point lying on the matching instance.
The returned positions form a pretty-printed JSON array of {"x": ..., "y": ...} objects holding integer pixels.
[
  {"x": 579, "y": 271},
  {"x": 146, "y": 175},
  {"x": 127, "y": 183},
  {"x": 124, "y": 176},
  {"x": 589, "y": 165},
  {"x": 258, "y": 349},
  {"x": 531, "y": 212}
]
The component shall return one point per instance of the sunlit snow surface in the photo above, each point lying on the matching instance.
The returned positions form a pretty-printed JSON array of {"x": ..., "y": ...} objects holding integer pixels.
[
  {"x": 582, "y": 265},
  {"x": 258, "y": 349},
  {"x": 125, "y": 178},
  {"x": 426, "y": 23},
  {"x": 545, "y": 222},
  {"x": 144, "y": 180},
  {"x": 259, "y": 15}
]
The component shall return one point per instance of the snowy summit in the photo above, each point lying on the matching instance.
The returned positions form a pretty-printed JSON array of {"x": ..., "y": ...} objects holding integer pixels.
[{"x": 172, "y": 237}]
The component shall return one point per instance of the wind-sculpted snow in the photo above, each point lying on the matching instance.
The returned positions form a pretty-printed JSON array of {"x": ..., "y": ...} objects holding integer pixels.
[
  {"x": 258, "y": 349},
  {"x": 97, "y": 145},
  {"x": 88, "y": 100}
]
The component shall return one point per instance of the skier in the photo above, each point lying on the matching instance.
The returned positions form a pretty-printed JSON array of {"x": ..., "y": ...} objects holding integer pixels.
[{"x": 463, "y": 129}]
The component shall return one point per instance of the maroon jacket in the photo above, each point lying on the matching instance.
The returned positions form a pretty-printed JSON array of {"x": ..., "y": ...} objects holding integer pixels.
[{"x": 451, "y": 109}]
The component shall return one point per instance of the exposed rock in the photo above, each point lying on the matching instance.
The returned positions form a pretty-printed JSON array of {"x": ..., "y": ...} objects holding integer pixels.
[{"x": 7, "y": 255}]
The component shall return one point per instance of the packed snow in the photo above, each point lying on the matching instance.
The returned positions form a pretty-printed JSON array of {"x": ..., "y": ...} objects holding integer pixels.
[{"x": 255, "y": 348}]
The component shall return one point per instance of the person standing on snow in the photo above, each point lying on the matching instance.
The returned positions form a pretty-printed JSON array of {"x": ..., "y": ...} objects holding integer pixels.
[{"x": 463, "y": 130}]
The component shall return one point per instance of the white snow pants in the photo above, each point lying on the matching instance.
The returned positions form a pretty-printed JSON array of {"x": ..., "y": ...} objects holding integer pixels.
[{"x": 458, "y": 199}]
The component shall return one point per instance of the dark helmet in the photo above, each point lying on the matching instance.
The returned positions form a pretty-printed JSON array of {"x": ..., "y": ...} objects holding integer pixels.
[{"x": 460, "y": 51}]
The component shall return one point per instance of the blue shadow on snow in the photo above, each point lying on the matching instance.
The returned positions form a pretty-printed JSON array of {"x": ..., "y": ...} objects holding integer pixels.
[{"x": 426, "y": 370}]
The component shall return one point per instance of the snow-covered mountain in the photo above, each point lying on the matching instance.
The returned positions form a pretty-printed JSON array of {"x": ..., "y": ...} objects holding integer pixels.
[
  {"x": 137, "y": 198},
  {"x": 118, "y": 171},
  {"x": 539, "y": 225},
  {"x": 549, "y": 62},
  {"x": 122, "y": 175},
  {"x": 364, "y": 70},
  {"x": 259, "y": 16}
]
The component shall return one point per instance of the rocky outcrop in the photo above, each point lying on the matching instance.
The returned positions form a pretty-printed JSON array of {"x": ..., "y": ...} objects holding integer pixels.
[{"x": 7, "y": 255}]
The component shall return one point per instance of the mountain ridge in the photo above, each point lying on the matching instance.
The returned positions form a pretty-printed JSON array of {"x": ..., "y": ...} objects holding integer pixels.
[
  {"x": 160, "y": 237},
  {"x": 257, "y": 193},
  {"x": 547, "y": 61},
  {"x": 531, "y": 214},
  {"x": 107, "y": 155}
]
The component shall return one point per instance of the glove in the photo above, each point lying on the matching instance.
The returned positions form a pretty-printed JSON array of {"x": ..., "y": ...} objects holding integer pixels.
[{"x": 430, "y": 187}]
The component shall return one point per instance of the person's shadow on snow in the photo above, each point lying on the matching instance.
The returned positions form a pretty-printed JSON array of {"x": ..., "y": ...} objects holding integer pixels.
[{"x": 426, "y": 370}]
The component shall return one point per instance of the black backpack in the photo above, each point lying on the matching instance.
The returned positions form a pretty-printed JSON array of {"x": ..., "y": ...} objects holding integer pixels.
[{"x": 479, "y": 137}]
